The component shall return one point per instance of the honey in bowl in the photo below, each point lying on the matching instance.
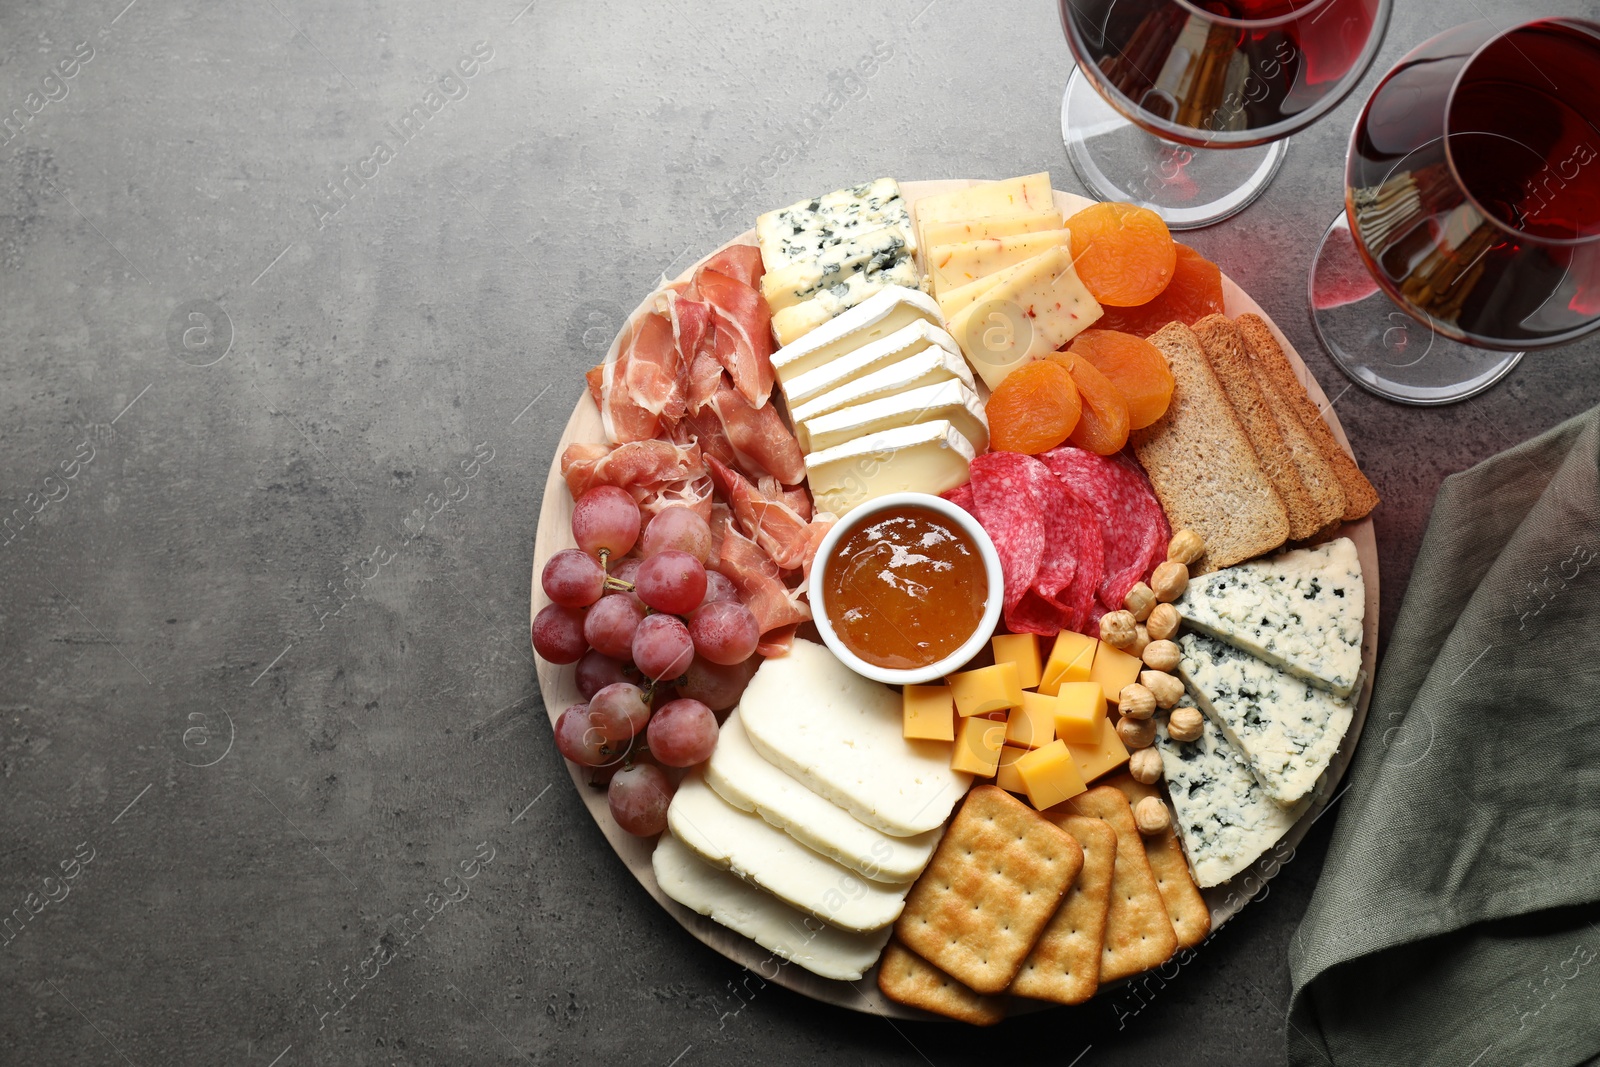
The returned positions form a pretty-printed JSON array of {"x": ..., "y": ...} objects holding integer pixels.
[{"x": 906, "y": 588}]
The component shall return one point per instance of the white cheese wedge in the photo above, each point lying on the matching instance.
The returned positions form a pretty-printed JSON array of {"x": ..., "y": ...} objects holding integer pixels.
[
  {"x": 802, "y": 231},
  {"x": 953, "y": 401},
  {"x": 845, "y": 368},
  {"x": 873, "y": 250},
  {"x": 840, "y": 734},
  {"x": 1301, "y": 610},
  {"x": 1287, "y": 728},
  {"x": 1224, "y": 819},
  {"x": 791, "y": 935},
  {"x": 951, "y": 266},
  {"x": 792, "y": 323},
  {"x": 932, "y": 364},
  {"x": 945, "y": 233},
  {"x": 744, "y": 778},
  {"x": 930, "y": 457},
  {"x": 890, "y": 310},
  {"x": 1028, "y": 316},
  {"x": 755, "y": 850},
  {"x": 1027, "y": 195}
]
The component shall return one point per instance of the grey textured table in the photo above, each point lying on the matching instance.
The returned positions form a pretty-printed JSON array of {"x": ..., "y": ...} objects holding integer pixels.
[{"x": 285, "y": 403}]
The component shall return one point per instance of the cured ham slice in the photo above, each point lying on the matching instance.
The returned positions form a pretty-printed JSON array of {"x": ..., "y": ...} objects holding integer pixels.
[
  {"x": 776, "y": 642},
  {"x": 760, "y": 582},
  {"x": 790, "y": 539},
  {"x": 657, "y": 474},
  {"x": 744, "y": 333},
  {"x": 703, "y": 428},
  {"x": 742, "y": 263},
  {"x": 761, "y": 442},
  {"x": 704, "y": 376},
  {"x": 796, "y": 497},
  {"x": 623, "y": 419}
]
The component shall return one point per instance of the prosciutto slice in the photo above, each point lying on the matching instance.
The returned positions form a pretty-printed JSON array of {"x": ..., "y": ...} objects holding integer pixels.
[
  {"x": 761, "y": 443},
  {"x": 742, "y": 263},
  {"x": 760, "y": 582},
  {"x": 744, "y": 333},
  {"x": 657, "y": 474},
  {"x": 786, "y": 536}
]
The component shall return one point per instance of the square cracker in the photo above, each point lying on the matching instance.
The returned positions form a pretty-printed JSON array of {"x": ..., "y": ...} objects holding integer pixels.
[
  {"x": 992, "y": 885},
  {"x": 907, "y": 978},
  {"x": 1139, "y": 935},
  {"x": 1065, "y": 965},
  {"x": 1191, "y": 918}
]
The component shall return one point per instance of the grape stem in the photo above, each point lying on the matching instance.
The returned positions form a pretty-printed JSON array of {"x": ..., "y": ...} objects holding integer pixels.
[{"x": 619, "y": 583}]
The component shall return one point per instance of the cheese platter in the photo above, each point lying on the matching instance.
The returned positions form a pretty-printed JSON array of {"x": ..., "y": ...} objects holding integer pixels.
[{"x": 754, "y": 830}]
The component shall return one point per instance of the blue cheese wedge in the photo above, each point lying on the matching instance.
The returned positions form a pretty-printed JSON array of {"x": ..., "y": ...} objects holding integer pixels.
[
  {"x": 873, "y": 251},
  {"x": 841, "y": 955},
  {"x": 744, "y": 778},
  {"x": 791, "y": 323},
  {"x": 840, "y": 735},
  {"x": 1287, "y": 728},
  {"x": 1301, "y": 610},
  {"x": 1224, "y": 818},
  {"x": 805, "y": 231}
]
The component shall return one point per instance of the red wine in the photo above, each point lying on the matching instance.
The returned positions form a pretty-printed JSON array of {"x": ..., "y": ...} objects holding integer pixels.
[
  {"x": 1473, "y": 183},
  {"x": 1224, "y": 72}
]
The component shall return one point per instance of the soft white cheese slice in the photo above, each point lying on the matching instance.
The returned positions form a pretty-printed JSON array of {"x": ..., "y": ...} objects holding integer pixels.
[
  {"x": 759, "y": 852},
  {"x": 891, "y": 309},
  {"x": 1287, "y": 728},
  {"x": 950, "y": 400},
  {"x": 931, "y": 365},
  {"x": 840, "y": 734},
  {"x": 930, "y": 457},
  {"x": 1224, "y": 818},
  {"x": 744, "y": 778},
  {"x": 874, "y": 355},
  {"x": 1301, "y": 610},
  {"x": 789, "y": 934}
]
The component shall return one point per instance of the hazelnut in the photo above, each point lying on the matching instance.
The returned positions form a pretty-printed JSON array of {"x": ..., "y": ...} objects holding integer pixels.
[
  {"x": 1145, "y": 766},
  {"x": 1117, "y": 628},
  {"x": 1186, "y": 724},
  {"x": 1164, "y": 687},
  {"x": 1161, "y": 656},
  {"x": 1185, "y": 547},
  {"x": 1141, "y": 639},
  {"x": 1136, "y": 733},
  {"x": 1136, "y": 702},
  {"x": 1152, "y": 816},
  {"x": 1163, "y": 622},
  {"x": 1140, "y": 599},
  {"x": 1169, "y": 581}
]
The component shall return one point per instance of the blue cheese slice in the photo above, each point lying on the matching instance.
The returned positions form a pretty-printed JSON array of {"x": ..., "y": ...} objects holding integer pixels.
[
  {"x": 871, "y": 251},
  {"x": 1301, "y": 610},
  {"x": 1224, "y": 818},
  {"x": 791, "y": 323},
  {"x": 1287, "y": 728},
  {"x": 802, "y": 232},
  {"x": 792, "y": 935}
]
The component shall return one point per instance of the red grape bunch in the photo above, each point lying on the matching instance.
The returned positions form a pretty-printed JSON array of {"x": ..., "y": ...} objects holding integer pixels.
[{"x": 660, "y": 644}]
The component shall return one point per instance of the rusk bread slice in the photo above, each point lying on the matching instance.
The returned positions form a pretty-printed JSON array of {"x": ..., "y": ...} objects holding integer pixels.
[
  {"x": 1201, "y": 463},
  {"x": 1269, "y": 358},
  {"x": 1230, "y": 361}
]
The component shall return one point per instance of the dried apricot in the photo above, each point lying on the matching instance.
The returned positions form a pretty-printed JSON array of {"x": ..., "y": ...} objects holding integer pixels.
[
  {"x": 1124, "y": 254},
  {"x": 1103, "y": 424},
  {"x": 1135, "y": 366},
  {"x": 1033, "y": 410},
  {"x": 1194, "y": 292}
]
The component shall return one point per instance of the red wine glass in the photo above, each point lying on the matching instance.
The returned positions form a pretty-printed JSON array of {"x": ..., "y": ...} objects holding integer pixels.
[
  {"x": 1185, "y": 106},
  {"x": 1471, "y": 229}
]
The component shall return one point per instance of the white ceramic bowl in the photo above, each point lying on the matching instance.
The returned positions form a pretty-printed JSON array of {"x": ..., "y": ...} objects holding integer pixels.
[{"x": 956, "y": 659}]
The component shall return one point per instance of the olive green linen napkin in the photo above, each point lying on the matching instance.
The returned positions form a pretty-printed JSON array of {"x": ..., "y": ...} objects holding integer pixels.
[{"x": 1457, "y": 920}]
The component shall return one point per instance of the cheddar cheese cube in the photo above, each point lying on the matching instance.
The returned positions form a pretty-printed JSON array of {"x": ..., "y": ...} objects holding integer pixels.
[
  {"x": 1049, "y": 775},
  {"x": 1113, "y": 669},
  {"x": 929, "y": 713},
  {"x": 1106, "y": 754},
  {"x": 1023, "y": 650},
  {"x": 1080, "y": 709},
  {"x": 978, "y": 745},
  {"x": 996, "y": 688},
  {"x": 1033, "y": 725},
  {"x": 1070, "y": 661},
  {"x": 1005, "y": 775}
]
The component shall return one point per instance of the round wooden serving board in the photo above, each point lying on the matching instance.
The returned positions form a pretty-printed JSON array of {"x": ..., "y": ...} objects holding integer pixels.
[{"x": 559, "y": 687}]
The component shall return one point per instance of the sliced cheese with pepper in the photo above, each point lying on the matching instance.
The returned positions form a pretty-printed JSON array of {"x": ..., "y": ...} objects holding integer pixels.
[
  {"x": 951, "y": 266},
  {"x": 1025, "y": 318},
  {"x": 944, "y": 233}
]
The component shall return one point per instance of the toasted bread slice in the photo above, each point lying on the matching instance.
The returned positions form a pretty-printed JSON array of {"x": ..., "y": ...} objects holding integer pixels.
[
  {"x": 1225, "y": 351},
  {"x": 1201, "y": 463},
  {"x": 1359, "y": 495}
]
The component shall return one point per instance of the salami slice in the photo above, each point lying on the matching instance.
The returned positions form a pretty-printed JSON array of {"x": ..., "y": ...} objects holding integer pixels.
[
  {"x": 1133, "y": 528},
  {"x": 1002, "y": 493},
  {"x": 961, "y": 497}
]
